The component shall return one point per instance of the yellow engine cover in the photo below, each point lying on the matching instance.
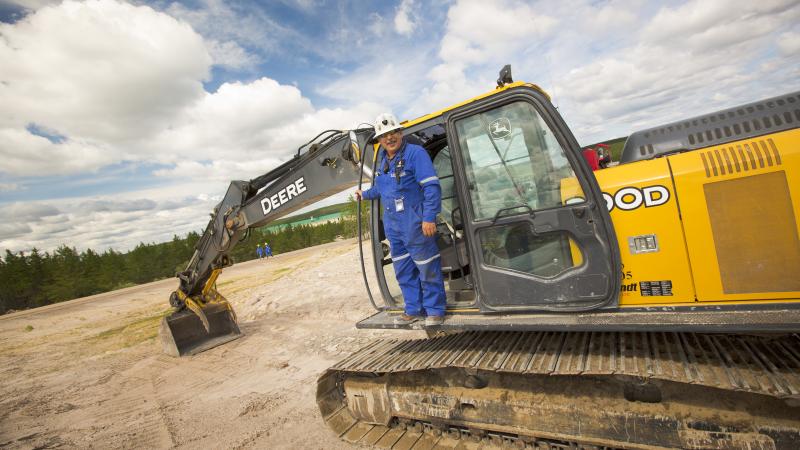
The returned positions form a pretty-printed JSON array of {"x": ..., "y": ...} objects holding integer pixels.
[{"x": 717, "y": 224}]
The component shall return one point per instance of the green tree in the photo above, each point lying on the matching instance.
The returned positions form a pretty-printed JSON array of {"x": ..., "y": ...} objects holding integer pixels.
[
  {"x": 14, "y": 282},
  {"x": 349, "y": 215},
  {"x": 67, "y": 270},
  {"x": 40, "y": 279}
]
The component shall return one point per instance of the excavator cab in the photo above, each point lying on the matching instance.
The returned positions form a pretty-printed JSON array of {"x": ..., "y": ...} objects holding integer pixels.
[{"x": 519, "y": 230}]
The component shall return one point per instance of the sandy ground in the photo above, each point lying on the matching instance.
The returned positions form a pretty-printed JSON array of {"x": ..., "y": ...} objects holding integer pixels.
[{"x": 89, "y": 373}]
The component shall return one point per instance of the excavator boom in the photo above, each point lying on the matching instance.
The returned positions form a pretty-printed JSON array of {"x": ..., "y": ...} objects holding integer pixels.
[{"x": 203, "y": 318}]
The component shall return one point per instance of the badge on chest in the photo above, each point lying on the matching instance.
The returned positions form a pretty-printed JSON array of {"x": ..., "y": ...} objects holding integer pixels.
[{"x": 398, "y": 205}]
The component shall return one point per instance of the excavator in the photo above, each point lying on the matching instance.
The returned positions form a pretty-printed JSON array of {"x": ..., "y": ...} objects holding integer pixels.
[{"x": 653, "y": 304}]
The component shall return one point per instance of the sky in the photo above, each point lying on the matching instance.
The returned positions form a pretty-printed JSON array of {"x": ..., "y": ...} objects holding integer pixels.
[{"x": 123, "y": 122}]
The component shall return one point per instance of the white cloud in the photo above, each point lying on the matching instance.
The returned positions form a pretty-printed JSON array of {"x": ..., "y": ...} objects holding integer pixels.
[
  {"x": 239, "y": 132},
  {"x": 24, "y": 212},
  {"x": 24, "y": 154},
  {"x": 405, "y": 18},
  {"x": 9, "y": 187},
  {"x": 628, "y": 64},
  {"x": 688, "y": 60},
  {"x": 222, "y": 21},
  {"x": 111, "y": 82},
  {"x": 410, "y": 80},
  {"x": 303, "y": 5},
  {"x": 101, "y": 73},
  {"x": 789, "y": 43},
  {"x": 234, "y": 121},
  {"x": 242, "y": 126},
  {"x": 106, "y": 205},
  {"x": 13, "y": 230},
  {"x": 608, "y": 18},
  {"x": 232, "y": 55},
  {"x": 480, "y": 37},
  {"x": 220, "y": 172},
  {"x": 100, "y": 223},
  {"x": 451, "y": 85},
  {"x": 376, "y": 24},
  {"x": 391, "y": 84},
  {"x": 706, "y": 26},
  {"x": 128, "y": 87},
  {"x": 480, "y": 31}
]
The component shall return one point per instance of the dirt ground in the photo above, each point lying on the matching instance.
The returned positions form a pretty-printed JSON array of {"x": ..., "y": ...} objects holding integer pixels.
[{"x": 89, "y": 373}]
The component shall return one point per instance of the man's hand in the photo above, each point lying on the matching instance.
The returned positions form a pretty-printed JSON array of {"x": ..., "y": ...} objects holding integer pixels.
[
  {"x": 358, "y": 194},
  {"x": 428, "y": 228}
]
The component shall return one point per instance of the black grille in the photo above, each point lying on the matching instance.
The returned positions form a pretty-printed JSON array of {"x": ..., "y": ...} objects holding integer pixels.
[{"x": 742, "y": 122}]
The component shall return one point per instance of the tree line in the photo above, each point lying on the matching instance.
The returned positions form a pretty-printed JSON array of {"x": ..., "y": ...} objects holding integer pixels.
[{"x": 29, "y": 280}]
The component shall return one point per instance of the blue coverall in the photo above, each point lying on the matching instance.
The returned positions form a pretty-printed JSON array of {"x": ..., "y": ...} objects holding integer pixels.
[
  {"x": 416, "y": 198},
  {"x": 267, "y": 250},
  {"x": 259, "y": 252}
]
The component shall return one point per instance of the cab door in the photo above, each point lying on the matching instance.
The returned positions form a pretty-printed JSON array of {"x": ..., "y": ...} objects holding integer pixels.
[{"x": 540, "y": 236}]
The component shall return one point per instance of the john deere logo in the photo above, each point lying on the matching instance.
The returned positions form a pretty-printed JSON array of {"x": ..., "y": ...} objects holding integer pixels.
[{"x": 500, "y": 128}]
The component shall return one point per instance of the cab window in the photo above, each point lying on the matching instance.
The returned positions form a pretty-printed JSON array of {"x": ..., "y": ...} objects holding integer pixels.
[
  {"x": 512, "y": 160},
  {"x": 514, "y": 166}
]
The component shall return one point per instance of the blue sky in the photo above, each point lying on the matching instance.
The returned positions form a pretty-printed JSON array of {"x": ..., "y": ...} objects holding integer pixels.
[{"x": 122, "y": 122}]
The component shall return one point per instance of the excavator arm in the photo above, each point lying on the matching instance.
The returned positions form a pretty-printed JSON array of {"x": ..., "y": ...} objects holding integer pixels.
[{"x": 202, "y": 318}]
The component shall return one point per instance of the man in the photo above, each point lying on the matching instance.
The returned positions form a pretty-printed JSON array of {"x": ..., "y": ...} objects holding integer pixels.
[
  {"x": 259, "y": 252},
  {"x": 411, "y": 197},
  {"x": 267, "y": 250}
]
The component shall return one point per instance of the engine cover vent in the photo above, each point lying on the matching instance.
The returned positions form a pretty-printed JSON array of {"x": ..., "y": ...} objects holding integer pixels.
[{"x": 741, "y": 158}]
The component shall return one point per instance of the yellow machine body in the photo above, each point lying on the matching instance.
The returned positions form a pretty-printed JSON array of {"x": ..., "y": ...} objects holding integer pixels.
[{"x": 727, "y": 230}]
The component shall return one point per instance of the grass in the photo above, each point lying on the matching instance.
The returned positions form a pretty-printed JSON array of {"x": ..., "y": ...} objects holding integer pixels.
[
  {"x": 616, "y": 147},
  {"x": 243, "y": 285},
  {"x": 281, "y": 272},
  {"x": 226, "y": 282},
  {"x": 130, "y": 334},
  {"x": 29, "y": 328}
]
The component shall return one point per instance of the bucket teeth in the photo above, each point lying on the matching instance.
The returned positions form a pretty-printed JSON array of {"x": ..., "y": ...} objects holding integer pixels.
[{"x": 197, "y": 309}]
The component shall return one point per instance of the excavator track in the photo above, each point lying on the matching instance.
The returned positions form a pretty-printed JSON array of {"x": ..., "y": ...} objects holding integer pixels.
[{"x": 568, "y": 390}]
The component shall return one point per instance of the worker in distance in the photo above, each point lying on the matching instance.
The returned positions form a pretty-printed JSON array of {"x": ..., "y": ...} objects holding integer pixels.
[{"x": 411, "y": 197}]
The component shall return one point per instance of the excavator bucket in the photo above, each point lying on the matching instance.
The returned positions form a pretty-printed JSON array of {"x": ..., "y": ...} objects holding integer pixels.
[{"x": 183, "y": 332}]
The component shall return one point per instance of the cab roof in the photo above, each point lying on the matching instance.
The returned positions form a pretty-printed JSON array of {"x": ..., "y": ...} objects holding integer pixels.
[{"x": 425, "y": 118}]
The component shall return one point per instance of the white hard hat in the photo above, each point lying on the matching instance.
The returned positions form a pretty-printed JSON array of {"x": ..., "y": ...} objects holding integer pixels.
[{"x": 386, "y": 123}]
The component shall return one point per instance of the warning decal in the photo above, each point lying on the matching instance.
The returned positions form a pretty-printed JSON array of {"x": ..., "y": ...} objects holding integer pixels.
[{"x": 655, "y": 288}]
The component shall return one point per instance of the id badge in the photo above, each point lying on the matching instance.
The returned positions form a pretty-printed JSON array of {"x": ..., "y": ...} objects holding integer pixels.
[{"x": 398, "y": 205}]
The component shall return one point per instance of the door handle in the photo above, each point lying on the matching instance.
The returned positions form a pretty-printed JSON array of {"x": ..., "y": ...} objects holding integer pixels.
[{"x": 511, "y": 208}]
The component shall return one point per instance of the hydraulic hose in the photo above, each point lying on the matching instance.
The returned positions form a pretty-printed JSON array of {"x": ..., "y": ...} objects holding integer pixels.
[
  {"x": 360, "y": 234},
  {"x": 331, "y": 133}
]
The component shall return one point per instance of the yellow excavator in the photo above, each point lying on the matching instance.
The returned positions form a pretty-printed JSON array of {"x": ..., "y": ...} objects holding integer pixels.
[{"x": 652, "y": 304}]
